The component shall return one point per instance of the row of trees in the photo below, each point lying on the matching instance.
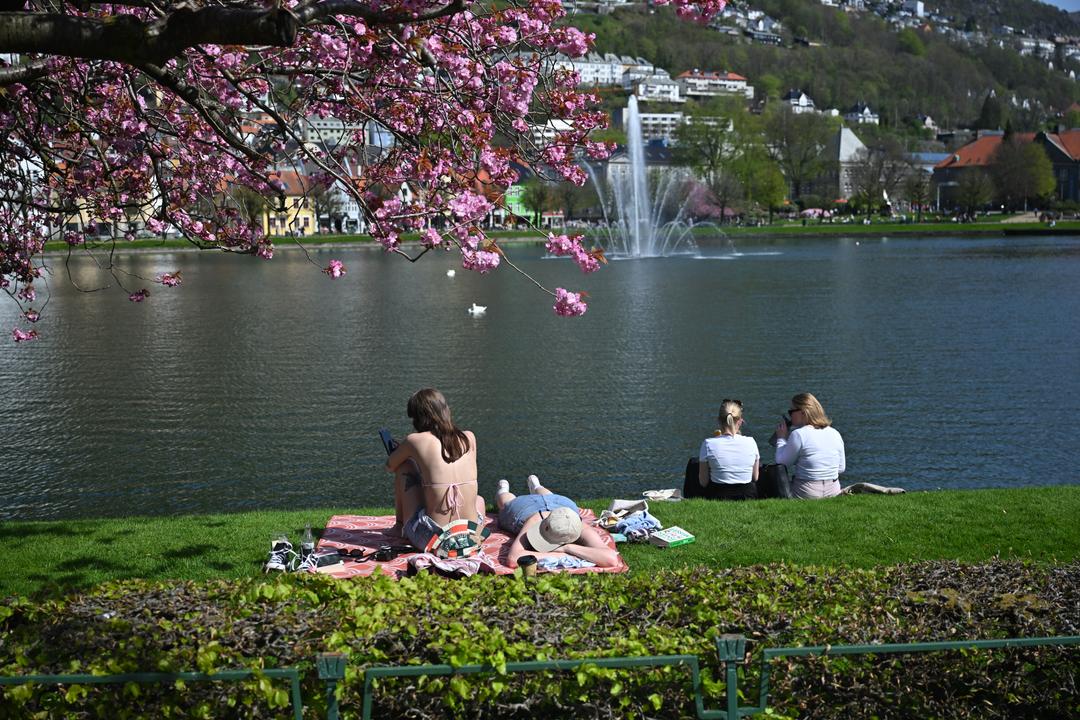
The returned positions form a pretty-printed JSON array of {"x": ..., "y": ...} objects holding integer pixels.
[{"x": 753, "y": 163}]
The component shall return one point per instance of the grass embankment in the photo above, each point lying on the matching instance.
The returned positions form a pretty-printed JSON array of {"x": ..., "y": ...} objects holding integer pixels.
[
  {"x": 778, "y": 230},
  {"x": 877, "y": 229},
  {"x": 1036, "y": 524}
]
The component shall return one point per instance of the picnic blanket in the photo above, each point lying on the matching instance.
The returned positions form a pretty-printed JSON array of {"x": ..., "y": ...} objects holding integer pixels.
[{"x": 368, "y": 532}]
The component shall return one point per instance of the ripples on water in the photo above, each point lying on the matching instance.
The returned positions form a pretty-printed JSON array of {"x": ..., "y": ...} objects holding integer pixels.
[{"x": 945, "y": 363}]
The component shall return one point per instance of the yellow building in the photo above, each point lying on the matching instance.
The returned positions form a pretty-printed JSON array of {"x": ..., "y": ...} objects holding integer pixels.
[{"x": 297, "y": 217}]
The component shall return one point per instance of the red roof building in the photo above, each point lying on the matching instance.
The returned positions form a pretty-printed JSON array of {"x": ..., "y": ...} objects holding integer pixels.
[{"x": 1063, "y": 149}]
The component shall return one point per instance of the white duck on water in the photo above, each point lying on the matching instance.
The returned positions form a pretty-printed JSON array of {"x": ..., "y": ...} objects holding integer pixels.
[{"x": 476, "y": 310}]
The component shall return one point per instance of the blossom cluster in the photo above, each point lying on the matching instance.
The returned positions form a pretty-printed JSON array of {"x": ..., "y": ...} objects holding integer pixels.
[
  {"x": 335, "y": 269},
  {"x": 569, "y": 304},
  {"x": 564, "y": 245}
]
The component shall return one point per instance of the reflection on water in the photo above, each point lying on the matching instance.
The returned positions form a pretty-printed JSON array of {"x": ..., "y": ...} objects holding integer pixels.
[{"x": 944, "y": 362}]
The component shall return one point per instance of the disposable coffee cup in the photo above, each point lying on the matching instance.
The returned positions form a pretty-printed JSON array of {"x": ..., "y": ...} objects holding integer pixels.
[{"x": 527, "y": 563}]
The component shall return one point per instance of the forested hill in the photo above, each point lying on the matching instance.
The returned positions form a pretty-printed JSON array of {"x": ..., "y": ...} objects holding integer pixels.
[
  {"x": 1038, "y": 19},
  {"x": 854, "y": 57}
]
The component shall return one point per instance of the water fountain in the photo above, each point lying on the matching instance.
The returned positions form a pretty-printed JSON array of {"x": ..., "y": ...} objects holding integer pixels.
[{"x": 637, "y": 228}]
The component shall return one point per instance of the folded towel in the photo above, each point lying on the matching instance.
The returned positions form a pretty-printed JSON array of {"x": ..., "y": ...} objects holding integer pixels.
[
  {"x": 568, "y": 562},
  {"x": 871, "y": 489},
  {"x": 637, "y": 526},
  {"x": 452, "y": 567}
]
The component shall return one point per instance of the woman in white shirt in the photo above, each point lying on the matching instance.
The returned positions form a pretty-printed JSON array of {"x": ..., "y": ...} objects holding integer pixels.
[
  {"x": 728, "y": 468},
  {"x": 813, "y": 446}
]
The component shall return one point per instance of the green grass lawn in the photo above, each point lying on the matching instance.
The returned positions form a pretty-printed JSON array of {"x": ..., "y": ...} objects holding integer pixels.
[
  {"x": 780, "y": 229},
  {"x": 1037, "y": 524}
]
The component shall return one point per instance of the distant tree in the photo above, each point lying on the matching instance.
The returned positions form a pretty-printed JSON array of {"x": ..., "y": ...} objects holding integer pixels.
[
  {"x": 539, "y": 197},
  {"x": 974, "y": 190},
  {"x": 251, "y": 205},
  {"x": 797, "y": 142},
  {"x": 993, "y": 115},
  {"x": 709, "y": 143},
  {"x": 611, "y": 135},
  {"x": 1072, "y": 119},
  {"x": 770, "y": 85},
  {"x": 759, "y": 176},
  {"x": 327, "y": 206},
  {"x": 573, "y": 198},
  {"x": 1021, "y": 172},
  {"x": 916, "y": 191},
  {"x": 766, "y": 186},
  {"x": 911, "y": 43},
  {"x": 877, "y": 172}
]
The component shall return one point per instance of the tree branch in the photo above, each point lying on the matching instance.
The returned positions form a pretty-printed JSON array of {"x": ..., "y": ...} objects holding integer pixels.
[{"x": 127, "y": 39}]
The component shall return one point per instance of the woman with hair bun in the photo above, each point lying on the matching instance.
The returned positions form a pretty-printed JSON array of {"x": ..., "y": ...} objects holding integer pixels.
[
  {"x": 813, "y": 446},
  {"x": 434, "y": 472},
  {"x": 728, "y": 461}
]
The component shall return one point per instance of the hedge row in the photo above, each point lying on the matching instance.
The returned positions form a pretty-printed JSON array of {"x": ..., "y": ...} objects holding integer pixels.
[{"x": 286, "y": 621}]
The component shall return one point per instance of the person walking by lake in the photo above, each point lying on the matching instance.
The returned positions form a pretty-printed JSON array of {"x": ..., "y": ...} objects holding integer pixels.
[
  {"x": 729, "y": 462},
  {"x": 547, "y": 525},
  {"x": 813, "y": 446},
  {"x": 434, "y": 472}
]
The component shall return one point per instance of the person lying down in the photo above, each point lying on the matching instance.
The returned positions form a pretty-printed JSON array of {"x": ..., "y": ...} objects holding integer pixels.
[{"x": 547, "y": 525}]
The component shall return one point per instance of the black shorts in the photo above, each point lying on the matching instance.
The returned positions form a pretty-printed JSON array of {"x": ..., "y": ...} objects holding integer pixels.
[{"x": 727, "y": 491}]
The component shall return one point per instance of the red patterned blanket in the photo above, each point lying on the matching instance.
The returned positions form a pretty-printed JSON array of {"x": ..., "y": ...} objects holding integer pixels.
[{"x": 368, "y": 532}]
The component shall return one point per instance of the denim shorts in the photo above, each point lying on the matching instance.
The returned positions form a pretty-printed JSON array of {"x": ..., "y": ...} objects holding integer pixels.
[{"x": 514, "y": 513}]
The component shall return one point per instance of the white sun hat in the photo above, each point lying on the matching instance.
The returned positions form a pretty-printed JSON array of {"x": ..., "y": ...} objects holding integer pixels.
[{"x": 561, "y": 526}]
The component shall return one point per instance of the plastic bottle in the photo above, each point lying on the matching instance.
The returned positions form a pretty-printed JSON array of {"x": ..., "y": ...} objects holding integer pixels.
[{"x": 307, "y": 542}]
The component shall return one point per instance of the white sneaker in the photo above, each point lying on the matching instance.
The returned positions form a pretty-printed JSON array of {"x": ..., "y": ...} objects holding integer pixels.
[
  {"x": 534, "y": 484},
  {"x": 504, "y": 487},
  {"x": 281, "y": 555}
]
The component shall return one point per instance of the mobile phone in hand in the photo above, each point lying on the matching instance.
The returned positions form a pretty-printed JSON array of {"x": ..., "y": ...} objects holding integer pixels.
[{"x": 387, "y": 440}]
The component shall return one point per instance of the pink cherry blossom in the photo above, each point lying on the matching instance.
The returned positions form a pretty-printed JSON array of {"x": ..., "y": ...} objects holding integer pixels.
[
  {"x": 469, "y": 206},
  {"x": 481, "y": 261},
  {"x": 139, "y": 295},
  {"x": 32, "y": 315},
  {"x": 23, "y": 336},
  {"x": 430, "y": 238},
  {"x": 172, "y": 279},
  {"x": 335, "y": 269},
  {"x": 568, "y": 304}
]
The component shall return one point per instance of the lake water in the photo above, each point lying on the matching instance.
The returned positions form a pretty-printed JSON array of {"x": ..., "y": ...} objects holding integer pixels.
[{"x": 944, "y": 362}]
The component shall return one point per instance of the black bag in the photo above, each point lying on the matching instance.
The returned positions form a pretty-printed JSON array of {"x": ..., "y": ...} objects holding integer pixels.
[
  {"x": 691, "y": 486},
  {"x": 773, "y": 481}
]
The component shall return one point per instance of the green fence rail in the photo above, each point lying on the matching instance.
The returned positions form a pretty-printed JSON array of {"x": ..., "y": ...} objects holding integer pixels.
[
  {"x": 292, "y": 674},
  {"x": 731, "y": 651}
]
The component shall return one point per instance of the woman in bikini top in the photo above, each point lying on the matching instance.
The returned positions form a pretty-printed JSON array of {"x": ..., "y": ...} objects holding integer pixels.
[{"x": 435, "y": 467}]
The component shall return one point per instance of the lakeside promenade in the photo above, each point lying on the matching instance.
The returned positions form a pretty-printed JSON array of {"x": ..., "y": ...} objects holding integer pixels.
[{"x": 776, "y": 231}]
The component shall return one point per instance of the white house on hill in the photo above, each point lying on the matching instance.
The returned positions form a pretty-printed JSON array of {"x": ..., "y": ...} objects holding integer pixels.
[
  {"x": 861, "y": 114},
  {"x": 799, "y": 101},
  {"x": 696, "y": 83}
]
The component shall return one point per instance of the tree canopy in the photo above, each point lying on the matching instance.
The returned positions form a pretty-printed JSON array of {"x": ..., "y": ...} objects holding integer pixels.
[{"x": 169, "y": 112}]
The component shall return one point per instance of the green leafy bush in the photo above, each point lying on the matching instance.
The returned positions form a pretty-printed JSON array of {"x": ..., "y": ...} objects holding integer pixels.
[{"x": 284, "y": 622}]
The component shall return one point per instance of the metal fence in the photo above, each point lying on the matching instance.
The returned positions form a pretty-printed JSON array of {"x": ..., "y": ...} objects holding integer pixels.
[{"x": 731, "y": 651}]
